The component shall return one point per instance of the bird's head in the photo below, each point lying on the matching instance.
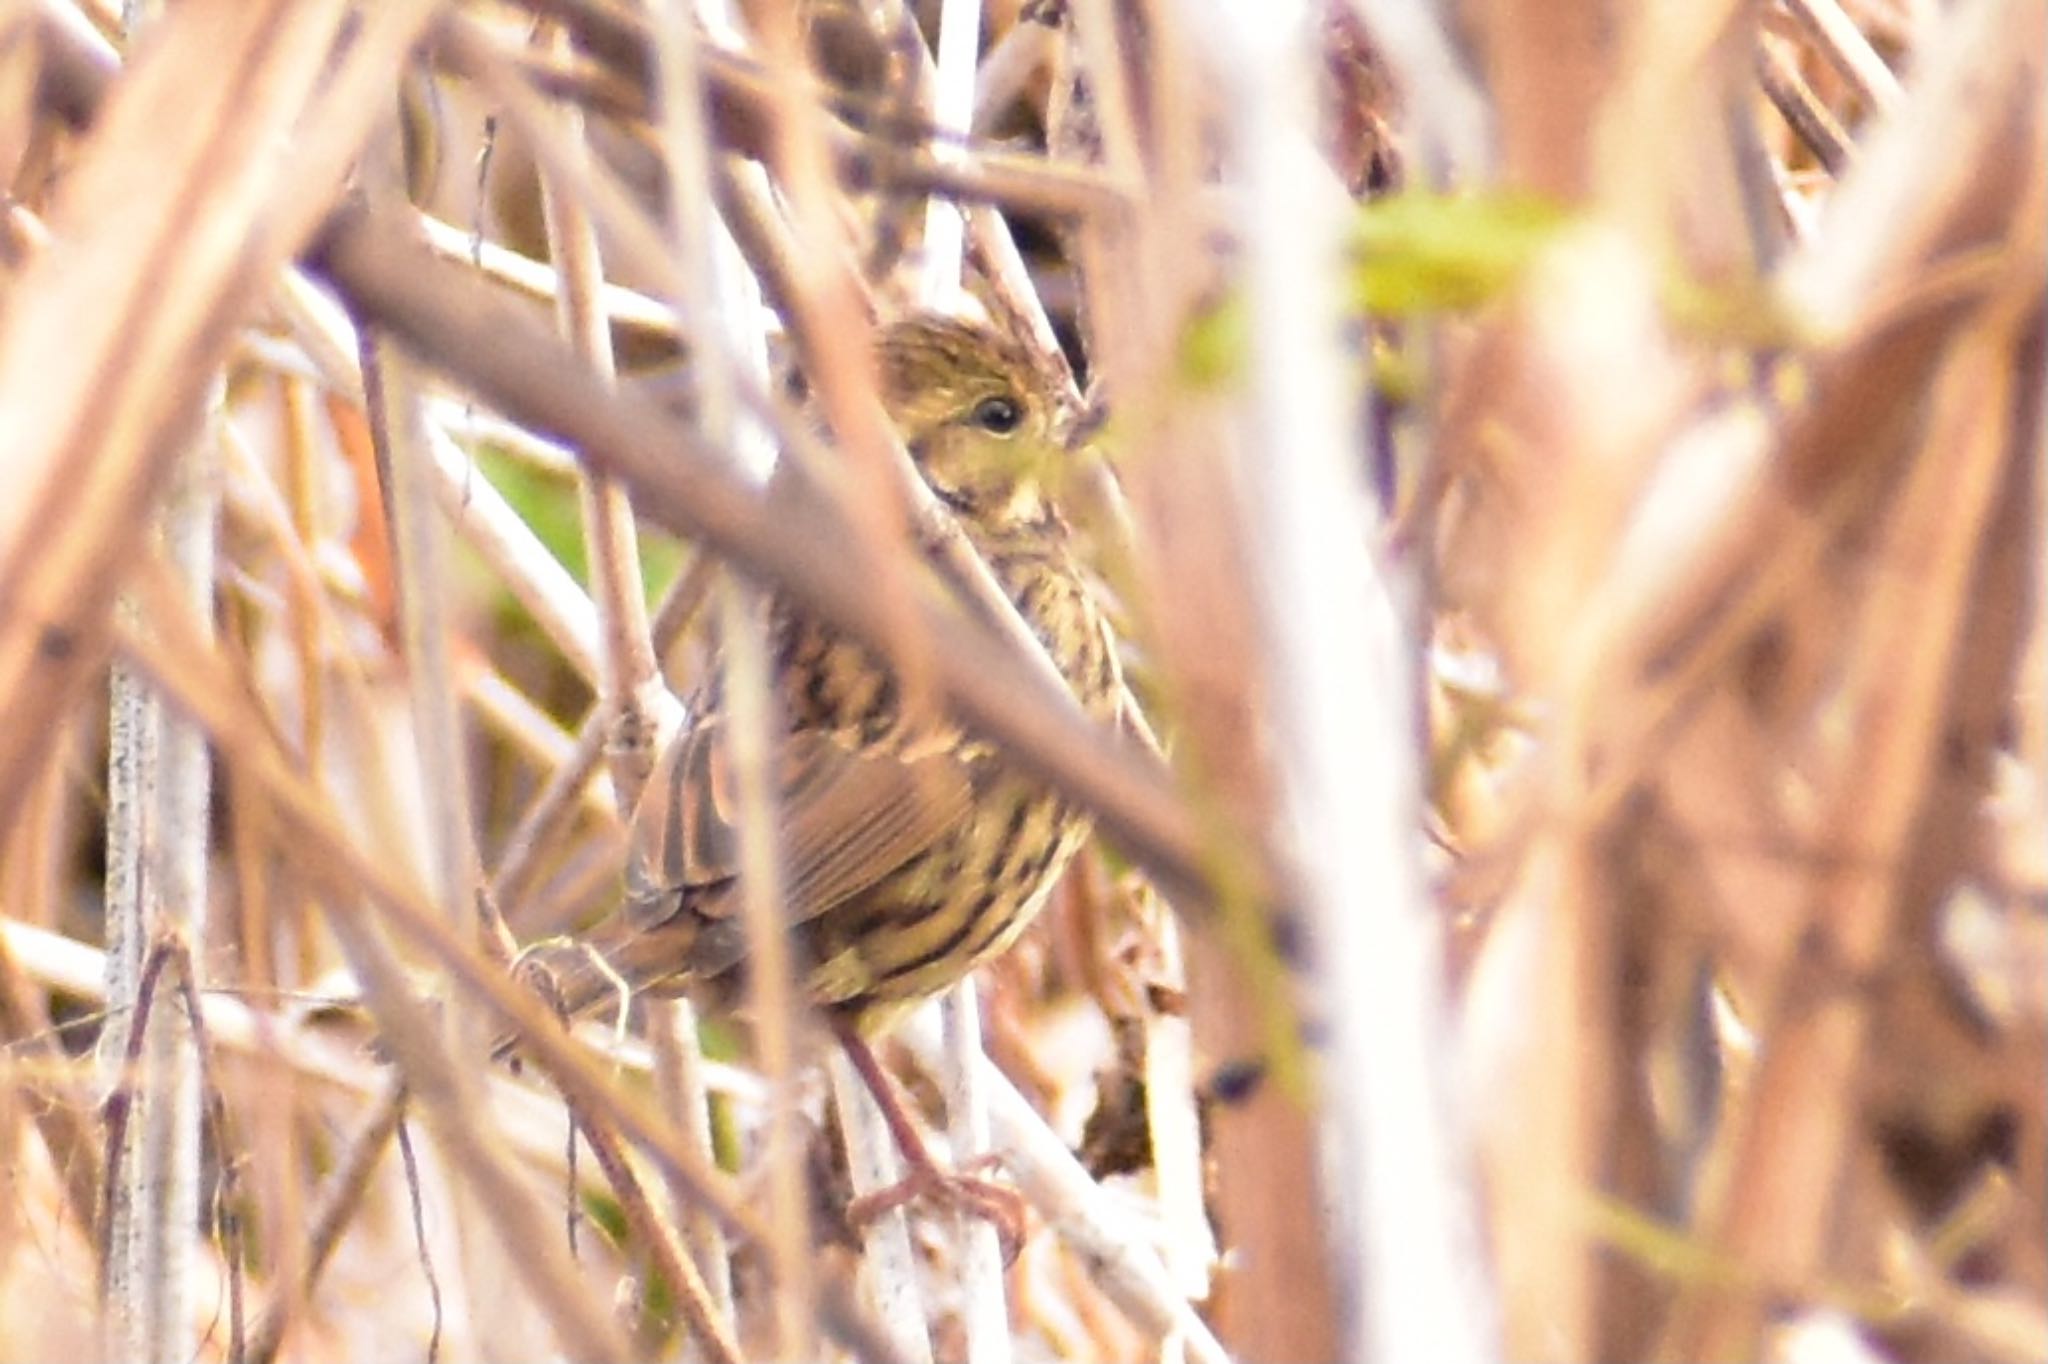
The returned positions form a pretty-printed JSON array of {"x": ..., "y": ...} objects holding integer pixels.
[{"x": 982, "y": 418}]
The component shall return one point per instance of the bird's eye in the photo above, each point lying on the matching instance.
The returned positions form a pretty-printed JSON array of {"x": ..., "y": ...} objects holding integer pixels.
[{"x": 998, "y": 415}]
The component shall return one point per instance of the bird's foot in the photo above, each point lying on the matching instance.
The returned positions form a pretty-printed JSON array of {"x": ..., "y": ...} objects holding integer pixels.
[{"x": 965, "y": 1194}]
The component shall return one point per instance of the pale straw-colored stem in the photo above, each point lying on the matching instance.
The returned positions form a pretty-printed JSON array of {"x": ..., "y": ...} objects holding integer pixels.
[
  {"x": 1343, "y": 734},
  {"x": 714, "y": 290},
  {"x": 1097, "y": 1225},
  {"x": 538, "y": 280},
  {"x": 630, "y": 683},
  {"x": 985, "y": 1311},
  {"x": 1851, "y": 54}
]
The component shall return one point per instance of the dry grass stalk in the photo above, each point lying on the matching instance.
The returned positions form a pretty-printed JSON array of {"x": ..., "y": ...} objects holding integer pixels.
[{"x": 1684, "y": 677}]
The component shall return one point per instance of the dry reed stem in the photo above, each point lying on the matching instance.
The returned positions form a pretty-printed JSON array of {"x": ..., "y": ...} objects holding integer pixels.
[
  {"x": 1096, "y": 1223},
  {"x": 97, "y": 300},
  {"x": 1680, "y": 696},
  {"x": 662, "y": 1243},
  {"x": 555, "y": 802},
  {"x": 1686, "y": 551},
  {"x": 717, "y": 292},
  {"x": 1795, "y": 1120},
  {"x": 332, "y": 862},
  {"x": 825, "y": 298},
  {"x": 1811, "y": 120},
  {"x": 450, "y": 1093},
  {"x": 630, "y": 684},
  {"x": 340, "y": 1201},
  {"x": 1844, "y": 45},
  {"x": 791, "y": 545},
  {"x": 977, "y": 1252},
  {"x": 487, "y": 521},
  {"x": 61, "y": 1120},
  {"x": 621, "y": 307}
]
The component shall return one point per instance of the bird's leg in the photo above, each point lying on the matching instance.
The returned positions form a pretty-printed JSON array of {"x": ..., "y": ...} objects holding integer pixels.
[{"x": 965, "y": 1193}]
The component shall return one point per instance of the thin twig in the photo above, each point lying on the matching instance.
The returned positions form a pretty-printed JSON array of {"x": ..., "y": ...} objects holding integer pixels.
[
  {"x": 691, "y": 491},
  {"x": 331, "y": 861},
  {"x": 428, "y": 1275},
  {"x": 550, "y": 595},
  {"x": 61, "y": 1120},
  {"x": 979, "y": 1252},
  {"x": 227, "y": 1189},
  {"x": 753, "y": 722},
  {"x": 1837, "y": 36},
  {"x": 623, "y": 307},
  {"x": 449, "y": 1094},
  {"x": 630, "y": 684},
  {"x": 1813, "y": 122},
  {"x": 120, "y": 1105},
  {"x": 715, "y": 287},
  {"x": 714, "y": 1335},
  {"x": 556, "y": 800},
  {"x": 887, "y": 1255},
  {"x": 680, "y": 1082},
  {"x": 1098, "y": 1226},
  {"x": 746, "y": 99}
]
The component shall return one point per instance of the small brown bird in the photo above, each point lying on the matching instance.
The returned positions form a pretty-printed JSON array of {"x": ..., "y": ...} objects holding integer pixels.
[{"x": 911, "y": 851}]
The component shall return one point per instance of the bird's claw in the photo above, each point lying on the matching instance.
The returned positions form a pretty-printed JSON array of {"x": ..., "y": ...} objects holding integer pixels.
[{"x": 967, "y": 1195}]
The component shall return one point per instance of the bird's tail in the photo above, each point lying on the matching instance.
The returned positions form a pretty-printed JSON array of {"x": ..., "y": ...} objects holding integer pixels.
[{"x": 601, "y": 973}]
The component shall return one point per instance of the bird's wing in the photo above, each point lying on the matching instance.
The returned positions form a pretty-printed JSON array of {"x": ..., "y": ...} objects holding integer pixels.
[{"x": 848, "y": 816}]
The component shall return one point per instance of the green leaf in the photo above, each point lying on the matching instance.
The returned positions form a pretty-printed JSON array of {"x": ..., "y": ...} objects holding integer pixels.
[
  {"x": 544, "y": 502},
  {"x": 549, "y": 506},
  {"x": 1424, "y": 253},
  {"x": 606, "y": 1215},
  {"x": 1212, "y": 345}
]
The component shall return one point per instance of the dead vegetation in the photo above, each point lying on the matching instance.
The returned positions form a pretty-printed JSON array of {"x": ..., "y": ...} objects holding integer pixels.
[{"x": 1570, "y": 884}]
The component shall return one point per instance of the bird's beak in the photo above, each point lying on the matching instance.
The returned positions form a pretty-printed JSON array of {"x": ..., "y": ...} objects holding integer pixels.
[{"x": 1085, "y": 424}]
